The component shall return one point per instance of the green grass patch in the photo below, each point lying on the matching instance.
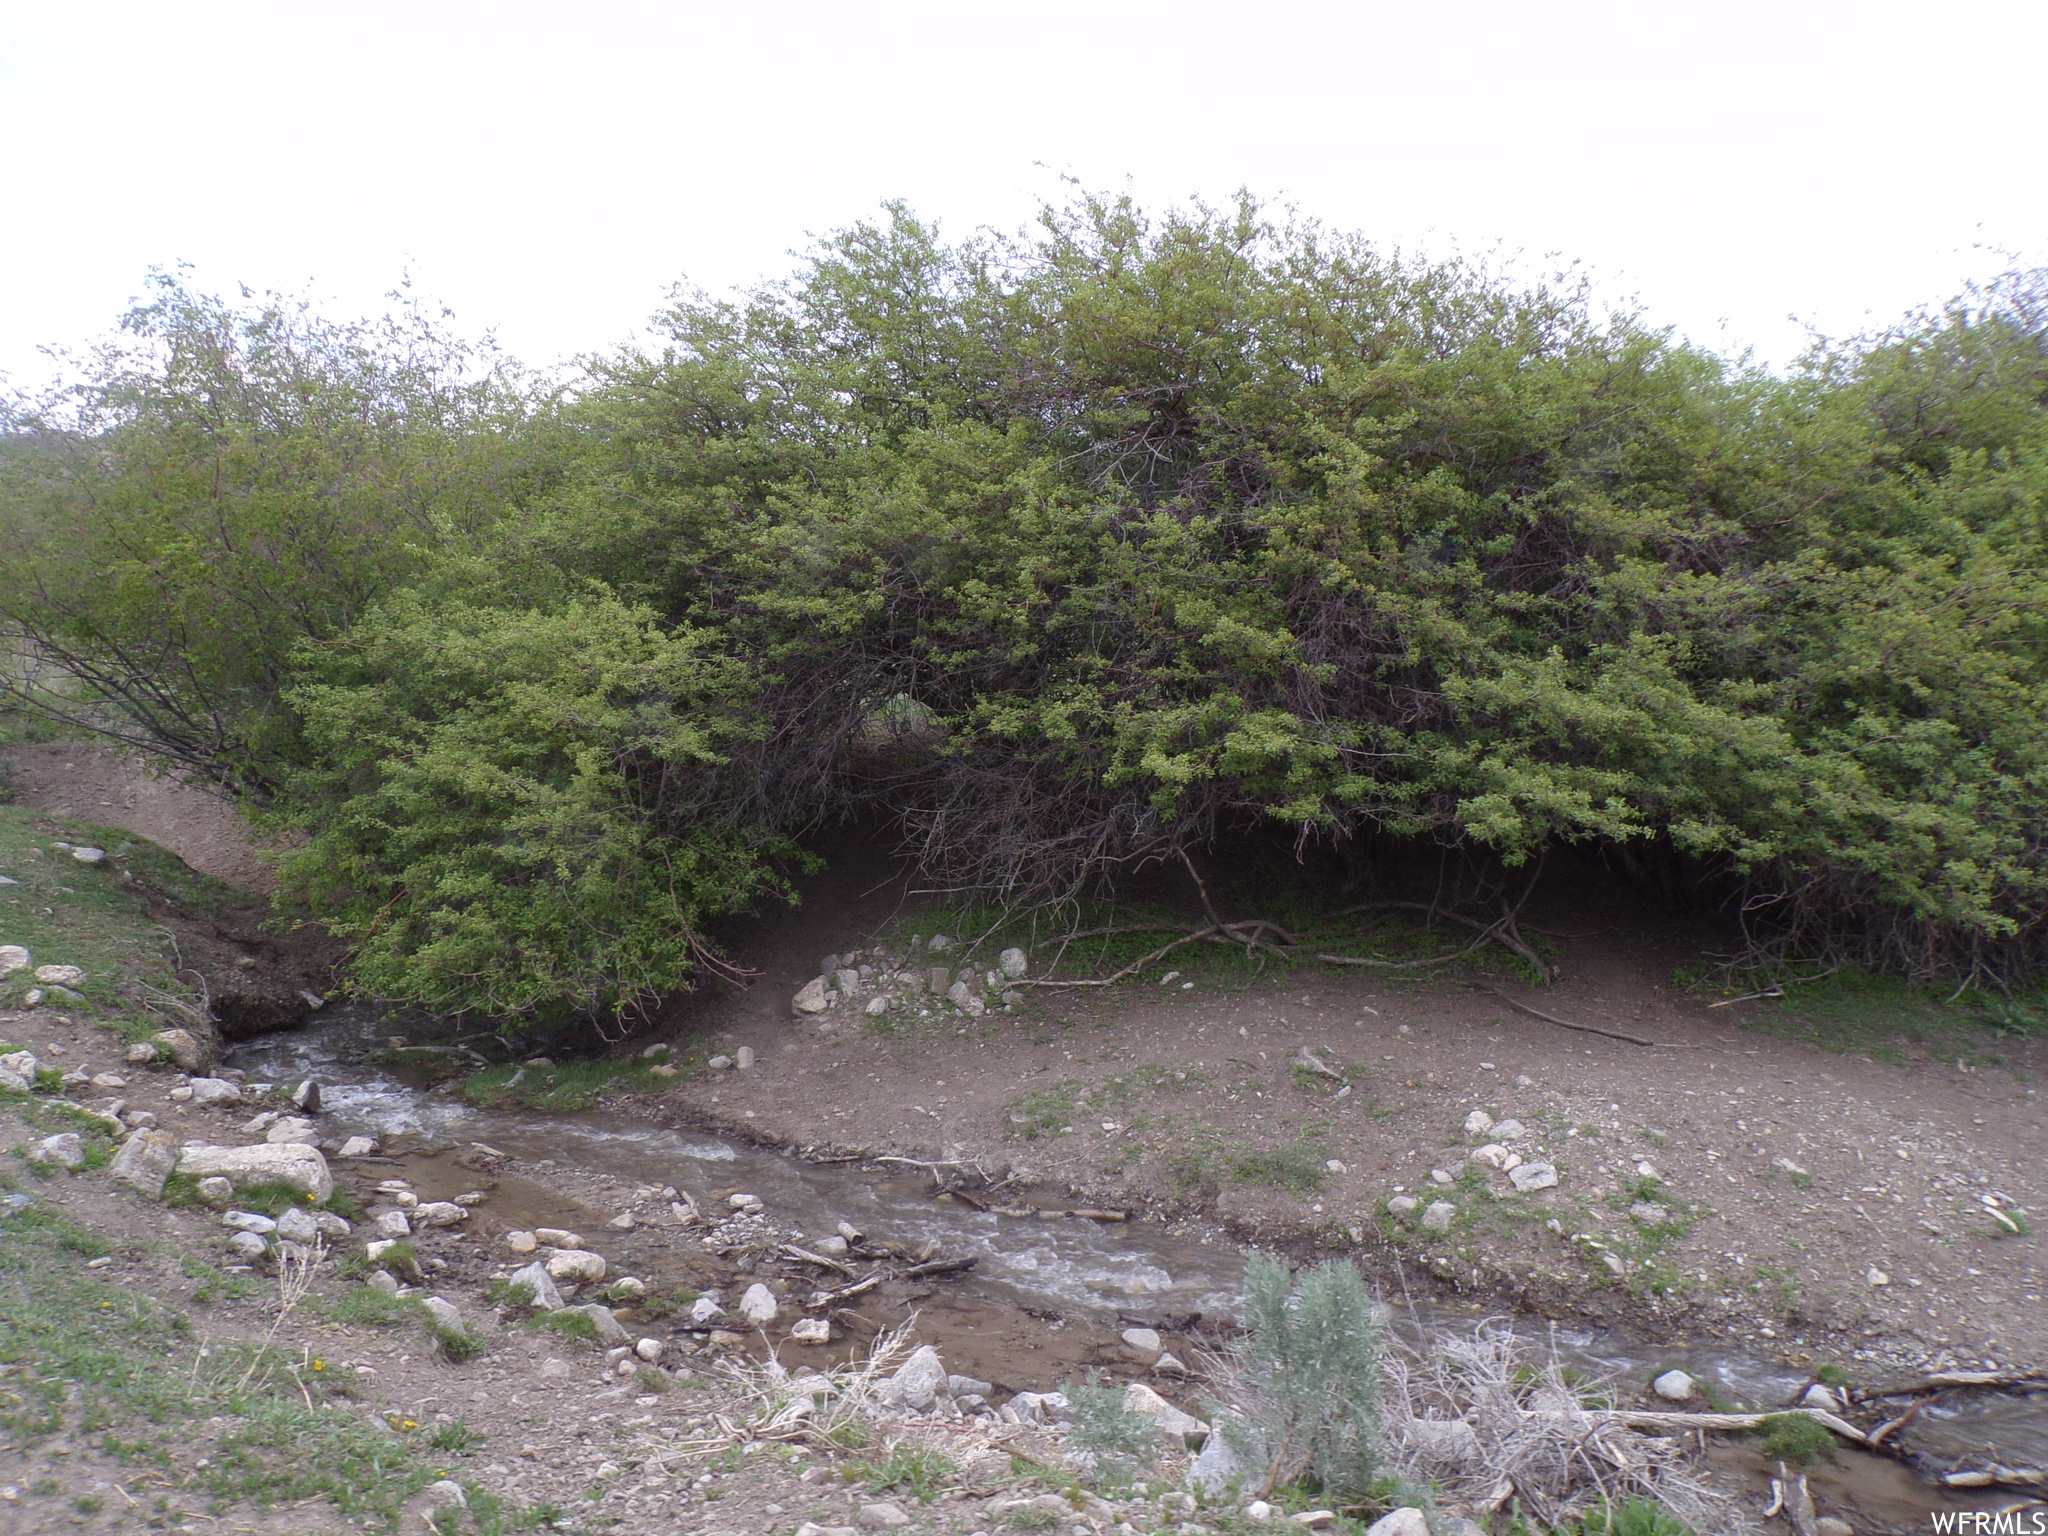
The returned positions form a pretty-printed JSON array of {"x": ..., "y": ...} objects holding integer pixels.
[
  {"x": 562, "y": 1089},
  {"x": 1298, "y": 1168},
  {"x": 97, "y": 916},
  {"x": 1045, "y": 1113},
  {"x": 1795, "y": 1439},
  {"x": 573, "y": 1325},
  {"x": 915, "y": 1470},
  {"x": 1883, "y": 1017}
]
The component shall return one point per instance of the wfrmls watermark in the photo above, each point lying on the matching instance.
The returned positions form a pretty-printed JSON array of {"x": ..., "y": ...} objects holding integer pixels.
[{"x": 1990, "y": 1522}]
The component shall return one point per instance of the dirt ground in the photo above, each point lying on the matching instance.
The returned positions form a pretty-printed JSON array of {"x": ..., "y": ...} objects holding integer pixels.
[{"x": 1815, "y": 1204}]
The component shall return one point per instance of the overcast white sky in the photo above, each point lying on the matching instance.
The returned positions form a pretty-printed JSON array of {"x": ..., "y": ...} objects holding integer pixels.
[{"x": 550, "y": 171}]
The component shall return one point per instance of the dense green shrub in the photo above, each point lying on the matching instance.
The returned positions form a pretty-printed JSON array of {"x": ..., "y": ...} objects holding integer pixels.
[{"x": 1065, "y": 553}]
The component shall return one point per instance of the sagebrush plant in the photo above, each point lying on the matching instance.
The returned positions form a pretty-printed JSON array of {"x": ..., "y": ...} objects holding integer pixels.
[
  {"x": 1310, "y": 1371},
  {"x": 1118, "y": 1441}
]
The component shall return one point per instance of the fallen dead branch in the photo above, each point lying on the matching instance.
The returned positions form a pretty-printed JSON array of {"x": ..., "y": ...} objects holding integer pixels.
[
  {"x": 819, "y": 1259},
  {"x": 1586, "y": 1029}
]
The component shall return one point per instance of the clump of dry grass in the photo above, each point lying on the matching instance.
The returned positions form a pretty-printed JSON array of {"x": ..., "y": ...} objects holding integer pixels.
[{"x": 1487, "y": 1422}]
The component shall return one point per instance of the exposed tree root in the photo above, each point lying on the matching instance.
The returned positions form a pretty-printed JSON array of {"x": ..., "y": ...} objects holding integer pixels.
[{"x": 1587, "y": 1029}]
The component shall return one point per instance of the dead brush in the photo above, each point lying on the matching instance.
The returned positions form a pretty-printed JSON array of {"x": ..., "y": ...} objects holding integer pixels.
[
  {"x": 1487, "y": 1422},
  {"x": 775, "y": 1405}
]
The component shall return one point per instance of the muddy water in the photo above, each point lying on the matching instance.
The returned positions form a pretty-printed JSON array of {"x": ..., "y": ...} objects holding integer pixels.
[{"x": 1034, "y": 1273}]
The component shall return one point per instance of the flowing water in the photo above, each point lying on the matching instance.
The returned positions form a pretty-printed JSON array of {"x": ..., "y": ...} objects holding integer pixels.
[{"x": 1084, "y": 1270}]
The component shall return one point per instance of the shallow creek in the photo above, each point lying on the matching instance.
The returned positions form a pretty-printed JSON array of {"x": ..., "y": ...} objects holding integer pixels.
[{"x": 1045, "y": 1296}]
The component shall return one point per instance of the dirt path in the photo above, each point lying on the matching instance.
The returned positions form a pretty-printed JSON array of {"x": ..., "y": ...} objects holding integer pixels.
[{"x": 113, "y": 787}]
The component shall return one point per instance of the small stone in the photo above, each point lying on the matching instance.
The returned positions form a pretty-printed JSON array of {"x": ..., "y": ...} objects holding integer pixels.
[
  {"x": 13, "y": 957},
  {"x": 1478, "y": 1123},
  {"x": 446, "y": 1494},
  {"x": 832, "y": 1247},
  {"x": 1314, "y": 1519},
  {"x": 540, "y": 1286},
  {"x": 623, "y": 1222},
  {"x": 1013, "y": 963},
  {"x": 810, "y": 997},
  {"x": 59, "y": 975},
  {"x": 391, "y": 1224},
  {"x": 145, "y": 1161},
  {"x": 214, "y": 1090},
  {"x": 744, "y": 1202},
  {"x": 181, "y": 1048},
  {"x": 1145, "y": 1341},
  {"x": 444, "y": 1312},
  {"x": 1406, "y": 1521},
  {"x": 881, "y": 1517},
  {"x": 1876, "y": 1276},
  {"x": 23, "y": 1066},
  {"x": 877, "y": 1006},
  {"x": 655, "y": 1052},
  {"x": 1830, "y": 1525},
  {"x": 216, "y": 1191},
  {"x": 811, "y": 1330},
  {"x": 705, "y": 1310},
  {"x": 306, "y": 1097},
  {"x": 383, "y": 1280},
  {"x": 719, "y": 1063},
  {"x": 332, "y": 1227},
  {"x": 86, "y": 855},
  {"x": 65, "y": 1150},
  {"x": 1674, "y": 1387},
  {"x": 1169, "y": 1420},
  {"x": 648, "y": 1350},
  {"x": 247, "y": 1245},
  {"x": 108, "y": 1080},
  {"x": 556, "y": 1237},
  {"x": 847, "y": 980},
  {"x": 1169, "y": 1365},
  {"x": 576, "y": 1266},
  {"x": 292, "y": 1130},
  {"x": 298, "y": 1226},
  {"x": 938, "y": 942},
  {"x": 1439, "y": 1216},
  {"x": 1508, "y": 1130},
  {"x": 1646, "y": 1213},
  {"x": 1523, "y": 1080},
  {"x": 1533, "y": 1176},
  {"x": 629, "y": 1288},
  {"x": 378, "y": 1247},
  {"x": 1616, "y": 1265},
  {"x": 1648, "y": 1170},
  {"x": 939, "y": 978},
  {"x": 918, "y": 1382},
  {"x": 140, "y": 1054},
  {"x": 1259, "y": 1512},
  {"x": 758, "y": 1306},
  {"x": 439, "y": 1213},
  {"x": 1493, "y": 1155},
  {"x": 610, "y": 1331},
  {"x": 743, "y": 1058},
  {"x": 1402, "y": 1205},
  {"x": 358, "y": 1146},
  {"x": 1818, "y": 1396},
  {"x": 663, "y": 1070}
]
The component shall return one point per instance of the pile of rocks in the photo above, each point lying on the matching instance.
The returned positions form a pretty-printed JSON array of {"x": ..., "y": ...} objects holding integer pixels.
[
  {"x": 882, "y": 980},
  {"x": 1496, "y": 1154},
  {"x": 54, "y": 983}
]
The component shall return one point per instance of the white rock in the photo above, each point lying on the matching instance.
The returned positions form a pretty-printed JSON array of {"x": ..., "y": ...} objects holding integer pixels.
[
  {"x": 1492, "y": 1155},
  {"x": 918, "y": 1382},
  {"x": 1876, "y": 1276},
  {"x": 1533, "y": 1176},
  {"x": 332, "y": 1227},
  {"x": 885, "y": 1516},
  {"x": 811, "y": 1330},
  {"x": 293, "y": 1164},
  {"x": 1146, "y": 1403},
  {"x": 1145, "y": 1341},
  {"x": 86, "y": 855},
  {"x": 181, "y": 1048},
  {"x": 1646, "y": 1213},
  {"x": 705, "y": 1310},
  {"x": 577, "y": 1266},
  {"x": 65, "y": 1150},
  {"x": 832, "y": 1247},
  {"x": 59, "y": 975},
  {"x": 1169, "y": 1365},
  {"x": 1508, "y": 1130},
  {"x": 648, "y": 1350},
  {"x": 743, "y": 1058},
  {"x": 1218, "y": 1470},
  {"x": 13, "y": 957},
  {"x": 1406, "y": 1521},
  {"x": 392, "y": 1224},
  {"x": 1013, "y": 963},
  {"x": 1647, "y": 1170},
  {"x": 256, "y": 1125},
  {"x": 247, "y": 1245},
  {"x": 1402, "y": 1205},
  {"x": 1334, "y": 1165},
  {"x": 443, "y": 1311},
  {"x": 847, "y": 980},
  {"x": 292, "y": 1130},
  {"x": 877, "y": 1006},
  {"x": 1478, "y": 1123},
  {"x": 439, "y": 1213},
  {"x": 810, "y": 997},
  {"x": 446, "y": 1493},
  {"x": 1818, "y": 1396},
  {"x": 540, "y": 1284},
  {"x": 144, "y": 1162},
  {"x": 719, "y": 1063},
  {"x": 758, "y": 1306},
  {"x": 1259, "y": 1512},
  {"x": 358, "y": 1146},
  {"x": 22, "y": 1064},
  {"x": 1673, "y": 1387},
  {"x": 1447, "y": 1442},
  {"x": 108, "y": 1080},
  {"x": 1439, "y": 1216},
  {"x": 557, "y": 1237},
  {"x": 216, "y": 1191},
  {"x": 298, "y": 1226},
  {"x": 215, "y": 1090}
]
